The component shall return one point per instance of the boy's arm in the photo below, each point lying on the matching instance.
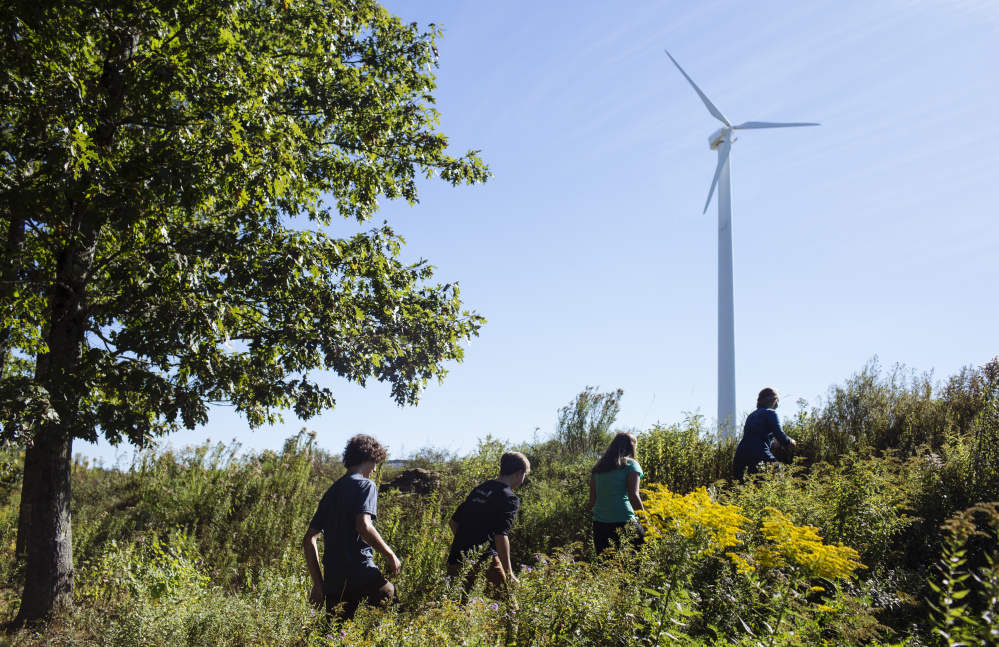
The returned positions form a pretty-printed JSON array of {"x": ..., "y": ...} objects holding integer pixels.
[
  {"x": 312, "y": 562},
  {"x": 369, "y": 533},
  {"x": 503, "y": 551},
  {"x": 593, "y": 491},
  {"x": 453, "y": 525}
]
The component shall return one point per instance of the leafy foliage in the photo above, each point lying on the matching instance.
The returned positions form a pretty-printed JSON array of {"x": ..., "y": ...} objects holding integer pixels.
[
  {"x": 584, "y": 424},
  {"x": 178, "y": 140},
  {"x": 686, "y": 455},
  {"x": 967, "y": 592}
]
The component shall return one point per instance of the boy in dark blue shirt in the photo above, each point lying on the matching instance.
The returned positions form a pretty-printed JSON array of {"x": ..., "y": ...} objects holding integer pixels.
[
  {"x": 344, "y": 517},
  {"x": 481, "y": 525}
]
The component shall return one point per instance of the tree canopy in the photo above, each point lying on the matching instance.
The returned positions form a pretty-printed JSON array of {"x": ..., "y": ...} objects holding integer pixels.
[{"x": 169, "y": 173}]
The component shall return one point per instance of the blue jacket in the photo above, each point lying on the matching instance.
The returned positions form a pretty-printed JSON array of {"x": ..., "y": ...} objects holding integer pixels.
[{"x": 762, "y": 426}]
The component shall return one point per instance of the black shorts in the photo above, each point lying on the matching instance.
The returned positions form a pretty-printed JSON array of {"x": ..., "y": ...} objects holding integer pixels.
[{"x": 378, "y": 592}]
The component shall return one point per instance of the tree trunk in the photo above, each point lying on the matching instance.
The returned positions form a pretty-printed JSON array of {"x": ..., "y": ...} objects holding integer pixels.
[
  {"x": 45, "y": 499},
  {"x": 44, "y": 529}
]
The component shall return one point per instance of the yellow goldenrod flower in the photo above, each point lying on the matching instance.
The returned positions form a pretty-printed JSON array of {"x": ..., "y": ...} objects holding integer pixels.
[
  {"x": 801, "y": 546},
  {"x": 695, "y": 517},
  {"x": 742, "y": 566}
]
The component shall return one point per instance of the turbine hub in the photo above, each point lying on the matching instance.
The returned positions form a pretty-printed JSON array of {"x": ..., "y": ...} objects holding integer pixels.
[{"x": 717, "y": 138}]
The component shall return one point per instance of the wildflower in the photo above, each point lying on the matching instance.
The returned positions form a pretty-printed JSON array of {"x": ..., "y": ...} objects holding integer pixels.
[
  {"x": 742, "y": 566},
  {"x": 695, "y": 517},
  {"x": 802, "y": 547},
  {"x": 494, "y": 606}
]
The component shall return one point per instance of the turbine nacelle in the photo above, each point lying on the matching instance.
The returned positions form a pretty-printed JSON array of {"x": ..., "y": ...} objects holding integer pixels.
[{"x": 717, "y": 138}]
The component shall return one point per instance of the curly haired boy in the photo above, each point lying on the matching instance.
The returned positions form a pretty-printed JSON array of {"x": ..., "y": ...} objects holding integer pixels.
[{"x": 344, "y": 517}]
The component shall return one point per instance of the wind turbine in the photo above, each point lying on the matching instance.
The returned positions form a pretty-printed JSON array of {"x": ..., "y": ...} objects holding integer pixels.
[{"x": 721, "y": 140}]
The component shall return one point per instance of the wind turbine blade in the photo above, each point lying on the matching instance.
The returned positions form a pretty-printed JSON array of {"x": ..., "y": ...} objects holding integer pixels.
[
  {"x": 725, "y": 149},
  {"x": 716, "y": 113},
  {"x": 767, "y": 124}
]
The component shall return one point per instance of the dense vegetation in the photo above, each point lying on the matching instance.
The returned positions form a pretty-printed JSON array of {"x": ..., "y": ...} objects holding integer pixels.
[{"x": 876, "y": 531}]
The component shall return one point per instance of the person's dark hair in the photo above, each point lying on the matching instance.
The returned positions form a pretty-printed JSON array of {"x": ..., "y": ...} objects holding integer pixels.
[
  {"x": 768, "y": 398},
  {"x": 362, "y": 448},
  {"x": 623, "y": 447},
  {"x": 513, "y": 462}
]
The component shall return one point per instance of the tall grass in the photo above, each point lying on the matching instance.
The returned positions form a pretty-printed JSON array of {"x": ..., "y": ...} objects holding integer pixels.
[
  {"x": 201, "y": 545},
  {"x": 243, "y": 511}
]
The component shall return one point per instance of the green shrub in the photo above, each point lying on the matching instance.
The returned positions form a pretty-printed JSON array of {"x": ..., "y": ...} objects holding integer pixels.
[
  {"x": 159, "y": 593},
  {"x": 966, "y": 600},
  {"x": 243, "y": 510},
  {"x": 684, "y": 457},
  {"x": 895, "y": 410}
]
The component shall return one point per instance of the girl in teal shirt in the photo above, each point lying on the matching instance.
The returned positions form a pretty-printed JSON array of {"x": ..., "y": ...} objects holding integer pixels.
[{"x": 614, "y": 497}]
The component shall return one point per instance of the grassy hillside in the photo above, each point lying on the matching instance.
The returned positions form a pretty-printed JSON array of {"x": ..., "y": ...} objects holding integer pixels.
[{"x": 864, "y": 536}]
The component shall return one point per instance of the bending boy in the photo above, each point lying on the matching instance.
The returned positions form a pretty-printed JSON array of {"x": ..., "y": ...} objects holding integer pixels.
[
  {"x": 481, "y": 526},
  {"x": 344, "y": 517}
]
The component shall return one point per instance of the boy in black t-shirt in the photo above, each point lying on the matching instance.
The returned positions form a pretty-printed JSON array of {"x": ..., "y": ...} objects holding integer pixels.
[
  {"x": 344, "y": 517},
  {"x": 481, "y": 526}
]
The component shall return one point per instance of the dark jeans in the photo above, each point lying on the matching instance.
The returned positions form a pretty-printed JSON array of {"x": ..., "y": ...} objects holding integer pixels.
[
  {"x": 605, "y": 534},
  {"x": 378, "y": 592},
  {"x": 748, "y": 462}
]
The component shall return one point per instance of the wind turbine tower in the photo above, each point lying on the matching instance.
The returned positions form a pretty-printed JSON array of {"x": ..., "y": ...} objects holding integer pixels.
[{"x": 721, "y": 141}]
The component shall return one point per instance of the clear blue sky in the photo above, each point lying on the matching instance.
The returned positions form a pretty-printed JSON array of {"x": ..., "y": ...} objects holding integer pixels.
[{"x": 874, "y": 234}]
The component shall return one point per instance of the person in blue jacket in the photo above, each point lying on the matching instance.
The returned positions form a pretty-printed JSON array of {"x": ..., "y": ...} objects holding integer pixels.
[{"x": 762, "y": 428}]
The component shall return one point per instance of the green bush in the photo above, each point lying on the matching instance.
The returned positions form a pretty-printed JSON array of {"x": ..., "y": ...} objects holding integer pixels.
[
  {"x": 242, "y": 510},
  {"x": 584, "y": 424},
  {"x": 686, "y": 456}
]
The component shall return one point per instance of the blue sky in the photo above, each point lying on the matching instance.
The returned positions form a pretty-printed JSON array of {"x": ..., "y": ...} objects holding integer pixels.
[{"x": 874, "y": 234}]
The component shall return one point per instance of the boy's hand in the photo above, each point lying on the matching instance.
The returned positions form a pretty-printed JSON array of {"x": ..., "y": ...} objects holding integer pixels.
[
  {"x": 512, "y": 579},
  {"x": 317, "y": 596},
  {"x": 393, "y": 563}
]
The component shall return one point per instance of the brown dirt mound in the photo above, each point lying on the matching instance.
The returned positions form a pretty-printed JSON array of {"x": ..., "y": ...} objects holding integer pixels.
[{"x": 415, "y": 479}]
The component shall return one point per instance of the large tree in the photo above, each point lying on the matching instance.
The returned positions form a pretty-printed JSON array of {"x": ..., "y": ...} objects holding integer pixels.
[{"x": 153, "y": 156}]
